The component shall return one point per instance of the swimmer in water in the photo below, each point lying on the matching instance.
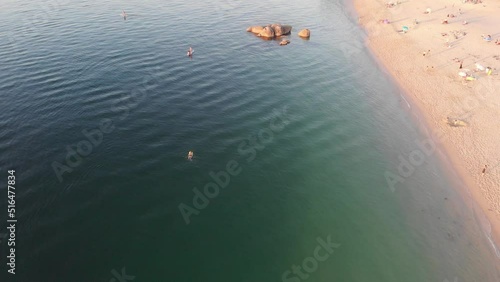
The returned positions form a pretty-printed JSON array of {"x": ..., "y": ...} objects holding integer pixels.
[
  {"x": 190, "y": 51},
  {"x": 190, "y": 155},
  {"x": 124, "y": 15}
]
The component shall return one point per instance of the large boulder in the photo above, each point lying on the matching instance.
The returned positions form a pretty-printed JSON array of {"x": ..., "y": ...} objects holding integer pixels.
[
  {"x": 267, "y": 32},
  {"x": 286, "y": 29},
  {"x": 255, "y": 29},
  {"x": 305, "y": 33},
  {"x": 280, "y": 29},
  {"x": 271, "y": 31}
]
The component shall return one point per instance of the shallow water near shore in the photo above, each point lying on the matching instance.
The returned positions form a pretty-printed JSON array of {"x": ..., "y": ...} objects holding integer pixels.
[{"x": 318, "y": 176}]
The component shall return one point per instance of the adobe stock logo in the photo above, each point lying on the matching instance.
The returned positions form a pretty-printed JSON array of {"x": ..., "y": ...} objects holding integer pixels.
[
  {"x": 43, "y": 13},
  {"x": 408, "y": 165},
  {"x": 310, "y": 264},
  {"x": 467, "y": 107},
  {"x": 248, "y": 148},
  {"x": 94, "y": 137},
  {"x": 121, "y": 277},
  {"x": 347, "y": 44}
]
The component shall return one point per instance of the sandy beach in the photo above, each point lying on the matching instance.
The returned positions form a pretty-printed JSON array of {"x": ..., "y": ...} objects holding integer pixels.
[{"x": 439, "y": 52}]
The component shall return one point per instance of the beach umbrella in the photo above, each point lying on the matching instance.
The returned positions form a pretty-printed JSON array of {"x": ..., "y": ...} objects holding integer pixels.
[{"x": 405, "y": 28}]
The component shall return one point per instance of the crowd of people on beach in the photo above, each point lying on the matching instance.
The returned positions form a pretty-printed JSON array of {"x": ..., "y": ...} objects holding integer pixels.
[
  {"x": 488, "y": 38},
  {"x": 405, "y": 29}
]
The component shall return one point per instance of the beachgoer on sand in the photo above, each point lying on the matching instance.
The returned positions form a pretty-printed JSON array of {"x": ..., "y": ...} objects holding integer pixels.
[
  {"x": 486, "y": 38},
  {"x": 484, "y": 169}
]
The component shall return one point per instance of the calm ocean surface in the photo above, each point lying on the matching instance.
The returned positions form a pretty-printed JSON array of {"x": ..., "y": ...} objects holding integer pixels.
[{"x": 313, "y": 127}]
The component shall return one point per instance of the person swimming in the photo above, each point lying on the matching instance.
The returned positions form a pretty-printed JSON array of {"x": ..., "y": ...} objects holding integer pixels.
[
  {"x": 124, "y": 15},
  {"x": 190, "y": 155},
  {"x": 190, "y": 52}
]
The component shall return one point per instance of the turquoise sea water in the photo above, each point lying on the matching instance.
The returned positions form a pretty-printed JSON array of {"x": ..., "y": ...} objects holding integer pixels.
[{"x": 309, "y": 132}]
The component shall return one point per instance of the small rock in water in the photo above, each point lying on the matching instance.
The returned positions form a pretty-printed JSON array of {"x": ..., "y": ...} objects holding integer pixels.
[
  {"x": 305, "y": 33},
  {"x": 284, "y": 42}
]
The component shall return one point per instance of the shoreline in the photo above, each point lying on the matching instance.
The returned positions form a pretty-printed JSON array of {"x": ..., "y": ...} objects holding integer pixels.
[{"x": 431, "y": 84}]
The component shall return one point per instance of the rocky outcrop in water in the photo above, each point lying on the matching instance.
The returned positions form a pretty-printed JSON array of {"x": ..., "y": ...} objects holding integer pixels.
[{"x": 271, "y": 31}]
